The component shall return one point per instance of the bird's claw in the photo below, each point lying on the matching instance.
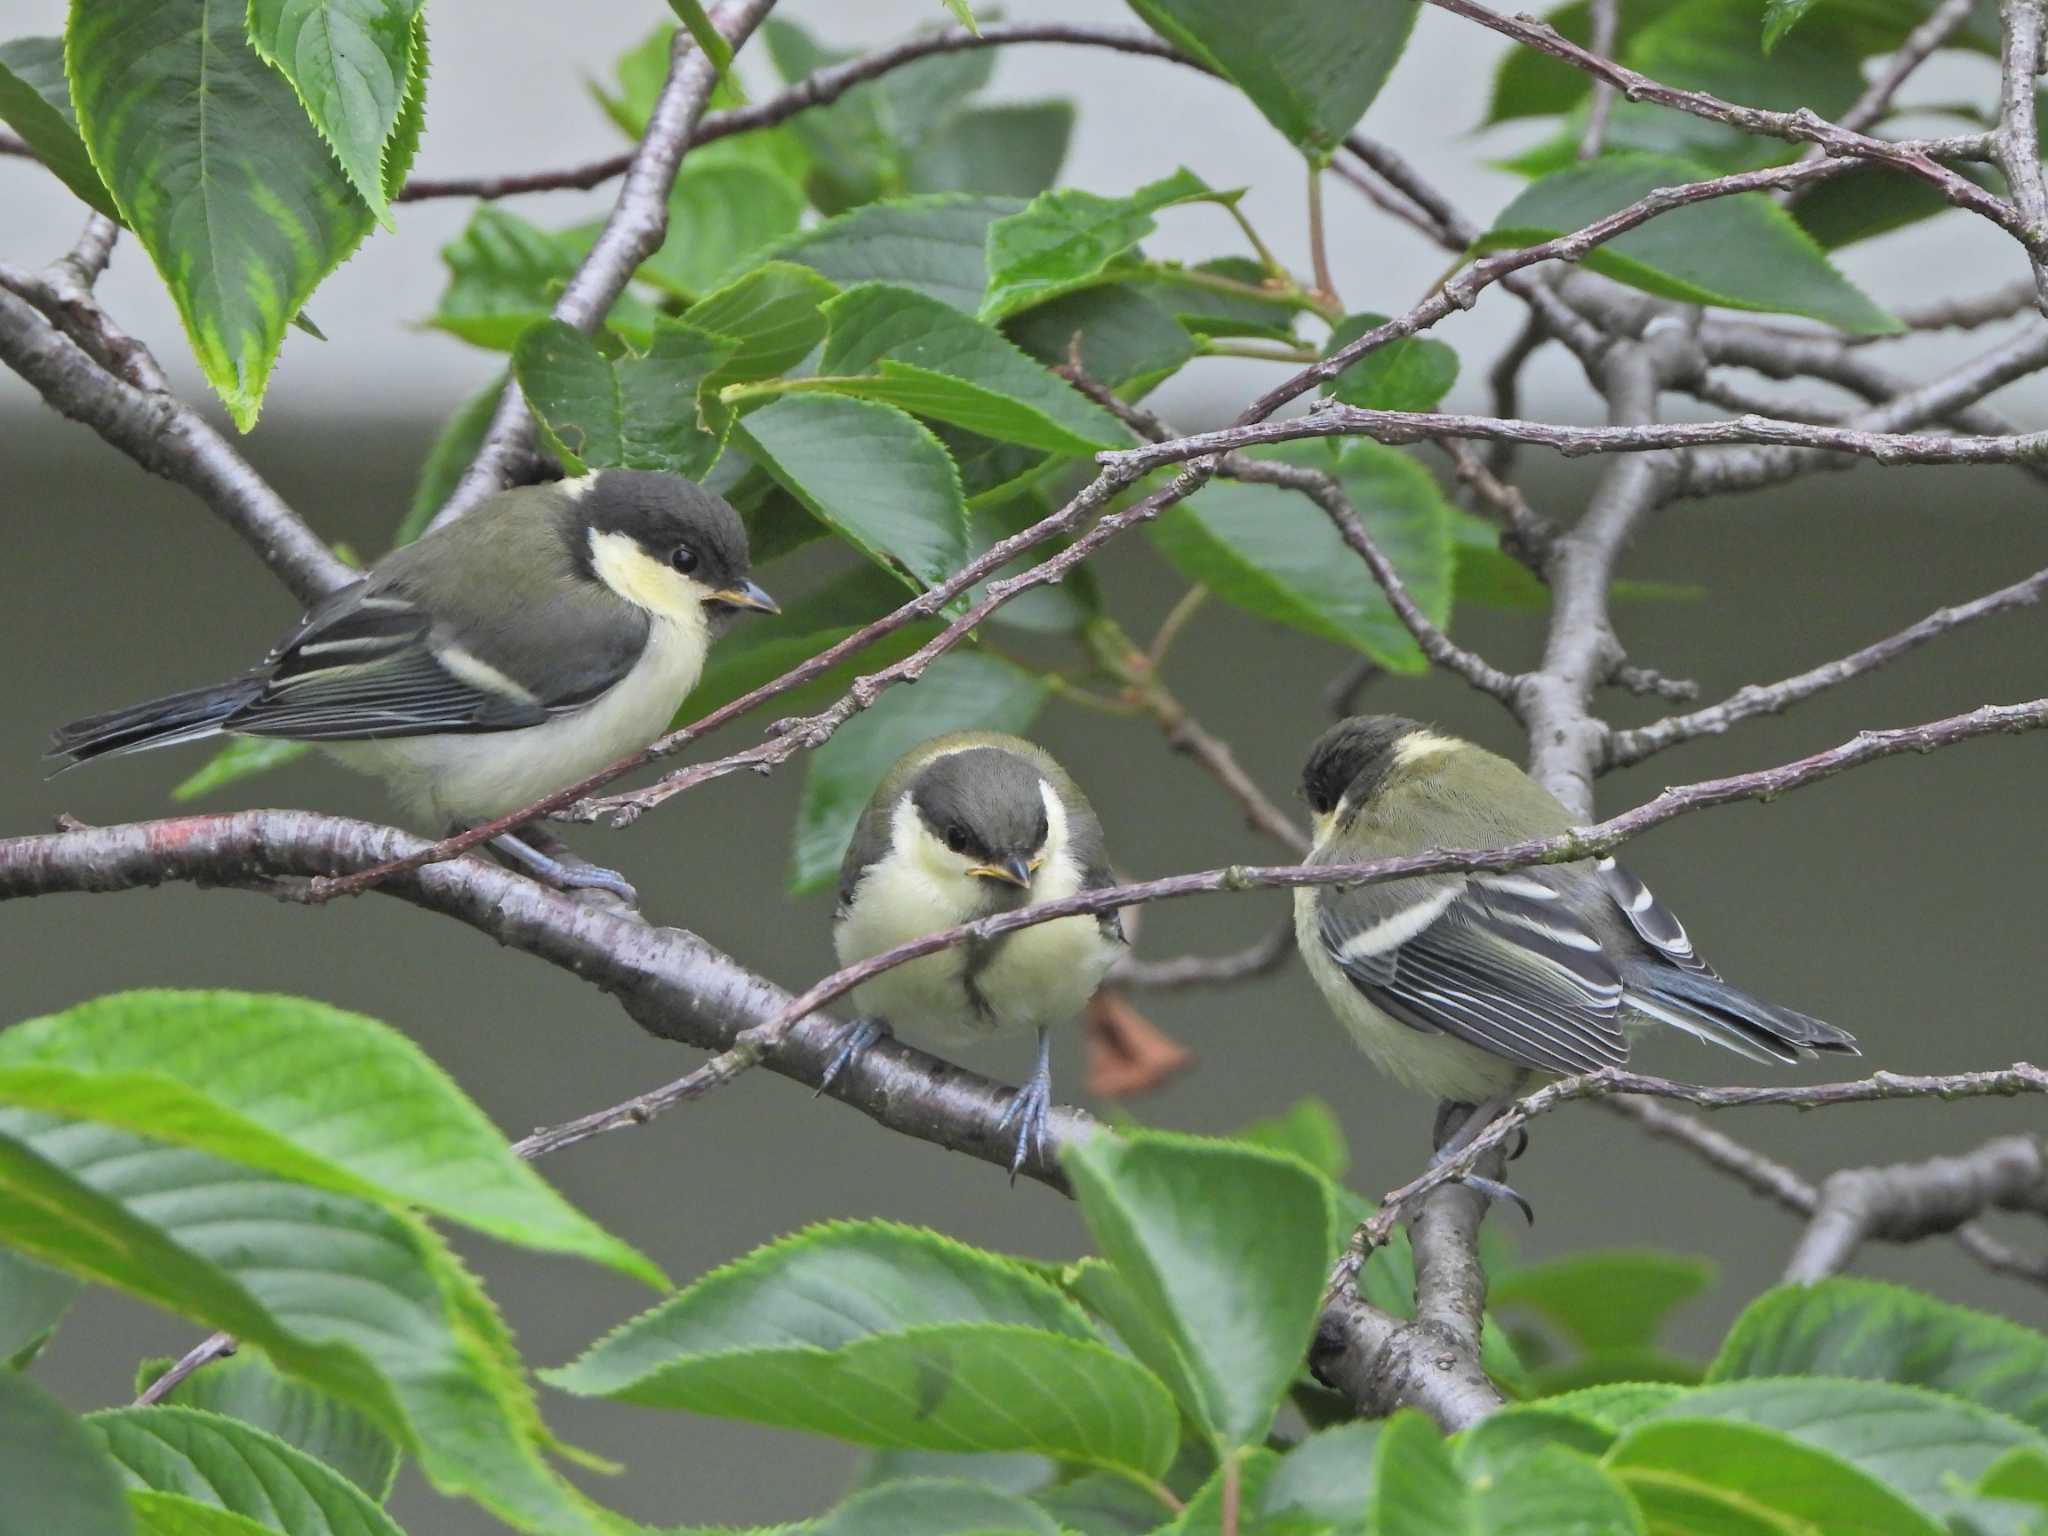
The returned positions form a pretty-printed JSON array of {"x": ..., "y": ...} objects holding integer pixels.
[
  {"x": 854, "y": 1037},
  {"x": 1498, "y": 1192},
  {"x": 1031, "y": 1110}
]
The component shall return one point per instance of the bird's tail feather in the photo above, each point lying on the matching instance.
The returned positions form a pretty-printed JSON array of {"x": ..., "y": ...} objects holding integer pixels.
[
  {"x": 1713, "y": 1010},
  {"x": 187, "y": 716}
]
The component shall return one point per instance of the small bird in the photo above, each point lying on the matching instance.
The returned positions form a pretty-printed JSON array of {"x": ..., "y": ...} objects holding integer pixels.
[
  {"x": 962, "y": 827},
  {"x": 1462, "y": 985},
  {"x": 550, "y": 631}
]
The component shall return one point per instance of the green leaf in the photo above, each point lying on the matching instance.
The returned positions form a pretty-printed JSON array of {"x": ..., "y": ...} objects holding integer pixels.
[
  {"x": 1312, "y": 72},
  {"x": 1916, "y": 1442},
  {"x": 1802, "y": 1488},
  {"x": 453, "y": 448},
  {"x": 1532, "y": 84},
  {"x": 1739, "y": 252},
  {"x": 1780, "y": 17},
  {"x": 1411, "y": 373},
  {"x": 1227, "y": 1247},
  {"x": 1873, "y": 200},
  {"x": 637, "y": 410},
  {"x": 869, "y": 472},
  {"x": 296, "y": 1088},
  {"x": 1487, "y": 574},
  {"x": 960, "y": 692},
  {"x": 774, "y": 316},
  {"x": 1246, "y": 308},
  {"x": 860, "y": 145},
  {"x": 640, "y": 71},
  {"x": 1494, "y": 1449},
  {"x": 1864, "y": 1329},
  {"x": 216, "y": 168},
  {"x": 1102, "y": 1504},
  {"x": 1061, "y": 241},
  {"x": 718, "y": 215},
  {"x": 935, "y": 1506},
  {"x": 217, "y": 1461},
  {"x": 886, "y": 1335},
  {"x": 1419, "y": 1490},
  {"x": 1007, "y": 1471},
  {"x": 964, "y": 14},
  {"x": 504, "y": 275},
  {"x": 1308, "y": 1131},
  {"x": 35, "y": 101},
  {"x": 242, "y": 758},
  {"x": 58, "y": 1481},
  {"x": 1128, "y": 342},
  {"x": 2021, "y": 1474},
  {"x": 33, "y": 1300},
  {"x": 361, "y": 1302},
  {"x": 1009, "y": 151},
  {"x": 1204, "y": 1513},
  {"x": 246, "y": 1389},
  {"x": 1328, "y": 1476},
  {"x": 1613, "y": 1300},
  {"x": 170, "y": 1514},
  {"x": 913, "y": 351},
  {"x": 350, "y": 61},
  {"x": 1616, "y": 1404},
  {"x": 936, "y": 245},
  {"x": 1276, "y": 554}
]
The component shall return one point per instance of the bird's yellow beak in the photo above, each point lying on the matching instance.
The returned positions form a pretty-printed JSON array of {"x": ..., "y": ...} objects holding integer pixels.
[
  {"x": 745, "y": 594},
  {"x": 1015, "y": 872}
]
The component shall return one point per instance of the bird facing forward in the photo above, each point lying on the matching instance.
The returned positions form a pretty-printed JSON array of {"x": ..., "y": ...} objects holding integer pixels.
[
  {"x": 1461, "y": 985},
  {"x": 550, "y": 631},
  {"x": 962, "y": 827}
]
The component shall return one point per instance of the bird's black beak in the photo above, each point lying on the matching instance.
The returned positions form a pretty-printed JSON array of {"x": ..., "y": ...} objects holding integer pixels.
[
  {"x": 745, "y": 594},
  {"x": 1015, "y": 872}
]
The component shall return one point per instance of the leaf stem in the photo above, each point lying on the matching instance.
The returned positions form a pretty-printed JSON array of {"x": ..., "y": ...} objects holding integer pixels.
[
  {"x": 1318, "y": 249},
  {"x": 1175, "y": 621},
  {"x": 1274, "y": 354},
  {"x": 1265, "y": 254}
]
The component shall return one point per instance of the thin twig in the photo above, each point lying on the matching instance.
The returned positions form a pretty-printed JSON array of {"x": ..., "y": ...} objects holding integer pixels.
[
  {"x": 1605, "y": 15},
  {"x": 1249, "y": 964},
  {"x": 214, "y": 1347},
  {"x": 1626, "y": 747},
  {"x": 2020, "y": 1078}
]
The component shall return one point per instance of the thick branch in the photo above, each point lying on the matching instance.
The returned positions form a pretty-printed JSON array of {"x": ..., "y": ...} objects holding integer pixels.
[
  {"x": 632, "y": 232},
  {"x": 1775, "y": 1182},
  {"x": 1904, "y": 1202},
  {"x": 2015, "y": 144}
]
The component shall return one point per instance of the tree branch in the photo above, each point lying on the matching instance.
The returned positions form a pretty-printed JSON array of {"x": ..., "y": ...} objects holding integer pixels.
[
  {"x": 1774, "y": 1181},
  {"x": 632, "y": 232},
  {"x": 1903, "y": 1202},
  {"x": 167, "y": 438},
  {"x": 2008, "y": 1082},
  {"x": 1626, "y": 747},
  {"x": 2015, "y": 144}
]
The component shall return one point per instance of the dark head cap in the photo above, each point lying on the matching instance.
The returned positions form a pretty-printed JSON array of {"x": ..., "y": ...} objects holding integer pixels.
[
  {"x": 986, "y": 805},
  {"x": 1355, "y": 755},
  {"x": 674, "y": 521}
]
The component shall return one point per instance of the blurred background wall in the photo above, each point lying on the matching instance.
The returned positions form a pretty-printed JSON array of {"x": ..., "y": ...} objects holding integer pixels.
[{"x": 1904, "y": 901}]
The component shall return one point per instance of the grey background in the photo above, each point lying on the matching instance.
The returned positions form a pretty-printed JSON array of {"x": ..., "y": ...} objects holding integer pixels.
[{"x": 1903, "y": 901}]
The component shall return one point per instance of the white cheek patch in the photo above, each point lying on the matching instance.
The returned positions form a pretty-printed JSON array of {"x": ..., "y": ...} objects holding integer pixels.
[
  {"x": 640, "y": 579},
  {"x": 579, "y": 486},
  {"x": 1055, "y": 821}
]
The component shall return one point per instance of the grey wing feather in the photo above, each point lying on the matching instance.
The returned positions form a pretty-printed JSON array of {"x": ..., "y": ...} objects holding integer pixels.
[
  {"x": 366, "y": 665},
  {"x": 1654, "y": 923},
  {"x": 1500, "y": 962}
]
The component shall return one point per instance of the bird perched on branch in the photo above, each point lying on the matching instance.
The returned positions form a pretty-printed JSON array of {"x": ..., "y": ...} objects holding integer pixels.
[
  {"x": 962, "y": 827},
  {"x": 550, "y": 631},
  {"x": 1464, "y": 985}
]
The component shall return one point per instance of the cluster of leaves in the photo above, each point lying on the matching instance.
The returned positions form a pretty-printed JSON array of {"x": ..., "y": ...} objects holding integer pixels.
[{"x": 274, "y": 1168}]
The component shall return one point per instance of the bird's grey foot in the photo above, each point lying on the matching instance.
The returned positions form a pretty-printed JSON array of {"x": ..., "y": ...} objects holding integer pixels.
[
  {"x": 560, "y": 868},
  {"x": 1458, "y": 1125},
  {"x": 854, "y": 1037},
  {"x": 1031, "y": 1109}
]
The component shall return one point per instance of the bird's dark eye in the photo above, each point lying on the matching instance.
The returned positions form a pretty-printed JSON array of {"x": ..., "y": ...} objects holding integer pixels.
[
  {"x": 684, "y": 559},
  {"x": 956, "y": 838}
]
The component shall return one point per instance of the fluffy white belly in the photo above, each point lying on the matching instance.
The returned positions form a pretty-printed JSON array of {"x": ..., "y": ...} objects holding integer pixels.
[
  {"x": 441, "y": 779},
  {"x": 1037, "y": 976},
  {"x": 1442, "y": 1066}
]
